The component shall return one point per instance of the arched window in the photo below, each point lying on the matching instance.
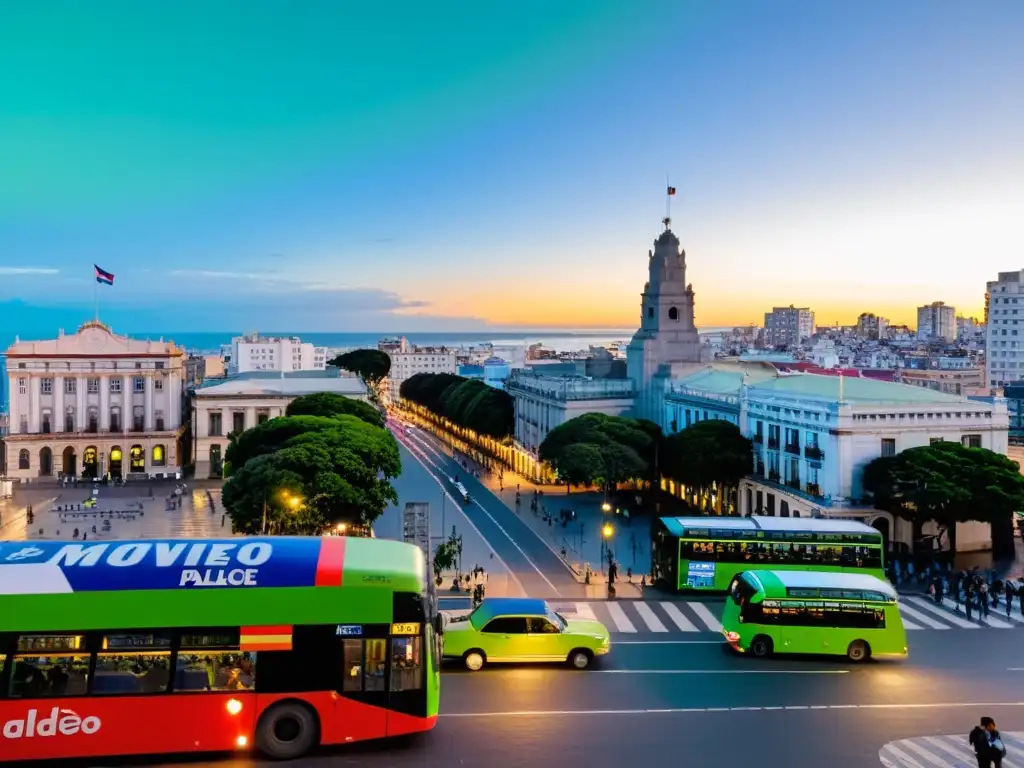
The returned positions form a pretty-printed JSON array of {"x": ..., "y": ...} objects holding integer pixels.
[
  {"x": 69, "y": 419},
  {"x": 137, "y": 456},
  {"x": 784, "y": 509},
  {"x": 92, "y": 420},
  {"x": 47, "y": 425},
  {"x": 158, "y": 457},
  {"x": 673, "y": 313},
  {"x": 23, "y": 460},
  {"x": 650, "y": 311}
]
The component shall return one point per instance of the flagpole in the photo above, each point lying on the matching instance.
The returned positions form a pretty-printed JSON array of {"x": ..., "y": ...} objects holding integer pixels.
[
  {"x": 96, "y": 298},
  {"x": 668, "y": 202}
]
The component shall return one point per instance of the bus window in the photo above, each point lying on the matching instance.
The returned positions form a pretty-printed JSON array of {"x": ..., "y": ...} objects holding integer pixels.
[
  {"x": 406, "y": 664},
  {"x": 215, "y": 671},
  {"x": 742, "y": 591},
  {"x": 375, "y": 663},
  {"x": 353, "y": 660},
  {"x": 133, "y": 663},
  {"x": 47, "y": 665}
]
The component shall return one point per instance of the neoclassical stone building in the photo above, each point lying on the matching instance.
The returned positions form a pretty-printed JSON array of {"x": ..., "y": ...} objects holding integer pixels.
[{"x": 94, "y": 404}]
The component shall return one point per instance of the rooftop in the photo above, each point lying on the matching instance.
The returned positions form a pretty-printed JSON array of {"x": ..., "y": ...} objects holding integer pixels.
[
  {"x": 853, "y": 390},
  {"x": 678, "y": 525},
  {"x": 284, "y": 384},
  {"x": 723, "y": 379},
  {"x": 818, "y": 580},
  {"x": 93, "y": 339}
]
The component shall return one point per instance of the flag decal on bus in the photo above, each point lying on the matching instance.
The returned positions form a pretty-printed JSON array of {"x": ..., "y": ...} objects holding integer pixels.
[{"x": 275, "y": 638}]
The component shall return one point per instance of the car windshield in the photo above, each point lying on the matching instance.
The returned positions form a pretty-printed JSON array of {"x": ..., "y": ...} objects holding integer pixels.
[{"x": 558, "y": 620}]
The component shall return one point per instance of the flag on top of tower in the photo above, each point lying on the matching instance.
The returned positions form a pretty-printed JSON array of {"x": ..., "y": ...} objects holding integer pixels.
[
  {"x": 671, "y": 190},
  {"x": 107, "y": 278}
]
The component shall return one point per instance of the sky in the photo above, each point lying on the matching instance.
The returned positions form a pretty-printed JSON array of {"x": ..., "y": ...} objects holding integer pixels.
[{"x": 448, "y": 166}]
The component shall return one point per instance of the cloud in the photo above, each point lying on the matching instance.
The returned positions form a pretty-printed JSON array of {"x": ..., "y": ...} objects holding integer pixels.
[
  {"x": 28, "y": 271},
  {"x": 213, "y": 275}
]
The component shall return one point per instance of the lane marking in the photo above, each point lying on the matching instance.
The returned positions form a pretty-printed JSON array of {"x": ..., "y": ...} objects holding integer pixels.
[
  {"x": 677, "y": 617},
  {"x": 927, "y": 754},
  {"x": 907, "y": 624},
  {"x": 905, "y": 760},
  {"x": 961, "y": 753},
  {"x": 617, "y": 643},
  {"x": 722, "y": 671},
  {"x": 584, "y": 610},
  {"x": 687, "y": 710},
  {"x": 949, "y": 616},
  {"x": 928, "y": 621},
  {"x": 472, "y": 525},
  {"x": 622, "y": 622},
  {"x": 706, "y": 616},
  {"x": 649, "y": 617}
]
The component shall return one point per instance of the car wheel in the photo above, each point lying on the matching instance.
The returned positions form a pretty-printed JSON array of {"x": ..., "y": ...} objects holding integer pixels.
[
  {"x": 761, "y": 647},
  {"x": 858, "y": 651},
  {"x": 474, "y": 661},
  {"x": 580, "y": 658},
  {"x": 287, "y": 730}
]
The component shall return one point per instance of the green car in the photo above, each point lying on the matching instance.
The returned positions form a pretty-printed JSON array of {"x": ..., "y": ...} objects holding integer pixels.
[{"x": 504, "y": 629}]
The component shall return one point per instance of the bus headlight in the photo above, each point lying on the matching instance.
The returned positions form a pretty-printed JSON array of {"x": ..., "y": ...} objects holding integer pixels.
[
  {"x": 732, "y": 637},
  {"x": 234, "y": 706}
]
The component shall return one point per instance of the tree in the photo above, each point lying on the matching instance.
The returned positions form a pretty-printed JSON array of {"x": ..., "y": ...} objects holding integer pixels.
[
  {"x": 949, "y": 483},
  {"x": 616, "y": 449},
  {"x": 331, "y": 404},
  {"x": 339, "y": 468},
  {"x": 467, "y": 403},
  {"x": 370, "y": 365},
  {"x": 709, "y": 453}
]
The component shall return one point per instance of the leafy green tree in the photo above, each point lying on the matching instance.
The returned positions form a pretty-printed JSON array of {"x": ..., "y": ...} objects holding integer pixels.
[
  {"x": 949, "y": 483},
  {"x": 618, "y": 449},
  {"x": 581, "y": 464},
  {"x": 261, "y": 482},
  {"x": 331, "y": 404},
  {"x": 709, "y": 453},
  {"x": 370, "y": 365},
  {"x": 467, "y": 403}
]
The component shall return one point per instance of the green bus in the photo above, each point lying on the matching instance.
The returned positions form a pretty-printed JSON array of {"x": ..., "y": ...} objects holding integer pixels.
[
  {"x": 277, "y": 644},
  {"x": 810, "y": 612},
  {"x": 706, "y": 553}
]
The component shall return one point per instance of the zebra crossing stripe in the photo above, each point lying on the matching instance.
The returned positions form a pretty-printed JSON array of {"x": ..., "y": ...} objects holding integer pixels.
[
  {"x": 928, "y": 621},
  {"x": 949, "y": 616},
  {"x": 946, "y": 751},
  {"x": 677, "y": 617},
  {"x": 619, "y": 618},
  {"x": 584, "y": 611},
  {"x": 903, "y": 760},
  {"x": 706, "y": 616},
  {"x": 927, "y": 754},
  {"x": 908, "y": 624},
  {"x": 1013, "y": 617},
  {"x": 992, "y": 621},
  {"x": 649, "y": 617},
  {"x": 964, "y": 753}
]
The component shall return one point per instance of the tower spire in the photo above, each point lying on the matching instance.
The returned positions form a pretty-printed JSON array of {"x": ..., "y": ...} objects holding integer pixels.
[{"x": 670, "y": 192}]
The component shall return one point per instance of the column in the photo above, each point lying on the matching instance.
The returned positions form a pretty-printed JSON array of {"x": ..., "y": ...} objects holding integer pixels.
[
  {"x": 150, "y": 383},
  {"x": 105, "y": 403},
  {"x": 33, "y": 403},
  {"x": 173, "y": 386},
  {"x": 126, "y": 405},
  {"x": 250, "y": 417},
  {"x": 58, "y": 403},
  {"x": 15, "y": 417},
  {"x": 82, "y": 390}
]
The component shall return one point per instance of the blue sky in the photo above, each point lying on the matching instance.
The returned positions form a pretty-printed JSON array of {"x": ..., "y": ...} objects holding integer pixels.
[{"x": 447, "y": 166}]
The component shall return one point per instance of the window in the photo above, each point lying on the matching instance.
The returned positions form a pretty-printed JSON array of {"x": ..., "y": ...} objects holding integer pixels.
[
  {"x": 69, "y": 420},
  {"x": 70, "y": 386},
  {"x": 262, "y": 417},
  {"x": 49, "y": 665},
  {"x": 373, "y": 676},
  {"x": 213, "y": 662},
  {"x": 934, "y": 440},
  {"x": 138, "y": 366},
  {"x": 159, "y": 366},
  {"x": 47, "y": 426},
  {"x": 23, "y": 458},
  {"x": 159, "y": 458},
  {"x": 353, "y": 669},
  {"x": 139, "y": 384},
  {"x": 971, "y": 441},
  {"x": 539, "y": 626},
  {"x": 139, "y": 419},
  {"x": 22, "y": 385},
  {"x": 159, "y": 422},
  {"x": 158, "y": 385},
  {"x": 23, "y": 425},
  {"x": 115, "y": 420},
  {"x": 46, "y": 386},
  {"x": 93, "y": 421},
  {"x": 133, "y": 663},
  {"x": 888, "y": 446},
  {"x": 92, "y": 386},
  {"x": 673, "y": 313},
  {"x": 115, "y": 385},
  {"x": 506, "y": 625},
  {"x": 215, "y": 425},
  {"x": 406, "y": 664},
  {"x": 238, "y": 422}
]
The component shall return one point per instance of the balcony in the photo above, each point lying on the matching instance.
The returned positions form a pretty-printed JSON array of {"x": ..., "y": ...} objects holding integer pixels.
[
  {"x": 773, "y": 475},
  {"x": 813, "y": 489},
  {"x": 758, "y": 438},
  {"x": 794, "y": 483},
  {"x": 773, "y": 443},
  {"x": 814, "y": 453},
  {"x": 793, "y": 448}
]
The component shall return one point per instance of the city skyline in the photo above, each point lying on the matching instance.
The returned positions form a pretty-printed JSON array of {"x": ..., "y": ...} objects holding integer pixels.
[{"x": 506, "y": 170}]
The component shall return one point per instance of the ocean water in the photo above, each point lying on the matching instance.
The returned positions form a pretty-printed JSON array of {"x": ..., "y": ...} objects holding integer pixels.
[{"x": 559, "y": 341}]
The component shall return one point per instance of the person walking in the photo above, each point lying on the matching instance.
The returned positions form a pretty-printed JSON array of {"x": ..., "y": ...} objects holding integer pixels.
[
  {"x": 968, "y": 599},
  {"x": 1008, "y": 593},
  {"x": 983, "y": 601},
  {"x": 987, "y": 743}
]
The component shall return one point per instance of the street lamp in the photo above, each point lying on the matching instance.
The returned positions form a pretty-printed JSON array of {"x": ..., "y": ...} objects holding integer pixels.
[
  {"x": 606, "y": 507},
  {"x": 341, "y": 528},
  {"x": 607, "y": 531},
  {"x": 290, "y": 500}
]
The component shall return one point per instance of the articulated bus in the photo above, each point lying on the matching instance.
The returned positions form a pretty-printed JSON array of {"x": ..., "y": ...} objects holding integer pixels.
[
  {"x": 278, "y": 644},
  {"x": 706, "y": 553},
  {"x": 844, "y": 614}
]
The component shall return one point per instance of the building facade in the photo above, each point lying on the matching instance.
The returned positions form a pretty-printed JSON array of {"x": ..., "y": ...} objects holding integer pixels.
[
  {"x": 94, "y": 404},
  {"x": 408, "y": 360},
  {"x": 788, "y": 326},
  {"x": 1004, "y": 310},
  {"x": 871, "y": 327},
  {"x": 262, "y": 353},
  {"x": 959, "y": 381},
  {"x": 223, "y": 408},
  {"x": 936, "y": 322}
]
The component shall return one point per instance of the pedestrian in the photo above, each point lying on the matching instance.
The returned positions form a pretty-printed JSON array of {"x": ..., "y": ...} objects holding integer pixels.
[
  {"x": 983, "y": 601},
  {"x": 1008, "y": 593},
  {"x": 968, "y": 599},
  {"x": 987, "y": 743}
]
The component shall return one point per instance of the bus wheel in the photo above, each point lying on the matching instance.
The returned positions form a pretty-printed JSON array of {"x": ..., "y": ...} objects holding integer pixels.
[
  {"x": 474, "y": 661},
  {"x": 287, "y": 730},
  {"x": 858, "y": 651},
  {"x": 761, "y": 647},
  {"x": 580, "y": 658}
]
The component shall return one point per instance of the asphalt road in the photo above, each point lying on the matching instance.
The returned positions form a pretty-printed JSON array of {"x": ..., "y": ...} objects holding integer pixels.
[{"x": 694, "y": 703}]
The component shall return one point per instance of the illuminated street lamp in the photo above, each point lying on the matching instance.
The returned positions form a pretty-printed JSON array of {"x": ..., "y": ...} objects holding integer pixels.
[
  {"x": 606, "y": 507},
  {"x": 291, "y": 501},
  {"x": 607, "y": 531},
  {"x": 341, "y": 528}
]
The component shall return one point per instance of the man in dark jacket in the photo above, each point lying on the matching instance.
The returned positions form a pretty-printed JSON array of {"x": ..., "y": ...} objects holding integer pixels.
[{"x": 987, "y": 744}]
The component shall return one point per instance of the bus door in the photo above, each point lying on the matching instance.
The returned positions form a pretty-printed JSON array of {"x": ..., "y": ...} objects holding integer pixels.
[
  {"x": 407, "y": 671},
  {"x": 364, "y": 691}
]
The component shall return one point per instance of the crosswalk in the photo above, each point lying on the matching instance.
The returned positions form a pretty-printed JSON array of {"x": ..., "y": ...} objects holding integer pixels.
[
  {"x": 923, "y": 613},
  {"x": 950, "y": 751},
  {"x": 639, "y": 616}
]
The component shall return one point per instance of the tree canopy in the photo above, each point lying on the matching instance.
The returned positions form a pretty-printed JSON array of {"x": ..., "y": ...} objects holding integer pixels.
[
  {"x": 332, "y": 404},
  {"x": 370, "y": 365},
  {"x": 468, "y": 403},
  {"x": 709, "y": 452},
  {"x": 310, "y": 471},
  {"x": 949, "y": 483},
  {"x": 595, "y": 448}
]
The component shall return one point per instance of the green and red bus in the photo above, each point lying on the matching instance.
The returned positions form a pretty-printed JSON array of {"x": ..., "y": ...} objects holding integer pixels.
[
  {"x": 277, "y": 644},
  {"x": 706, "y": 553}
]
